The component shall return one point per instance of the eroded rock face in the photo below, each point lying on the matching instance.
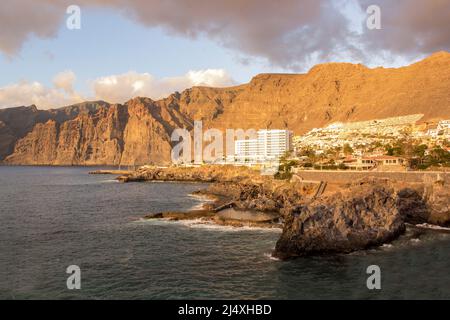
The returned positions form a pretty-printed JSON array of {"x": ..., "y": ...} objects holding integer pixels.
[
  {"x": 438, "y": 202},
  {"x": 429, "y": 203},
  {"x": 367, "y": 215},
  {"x": 87, "y": 139},
  {"x": 133, "y": 134},
  {"x": 16, "y": 123}
]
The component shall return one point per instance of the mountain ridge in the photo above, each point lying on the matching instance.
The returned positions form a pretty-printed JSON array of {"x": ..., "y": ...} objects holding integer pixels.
[{"x": 138, "y": 131}]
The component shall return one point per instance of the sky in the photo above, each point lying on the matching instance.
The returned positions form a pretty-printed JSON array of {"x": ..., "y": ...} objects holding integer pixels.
[{"x": 152, "y": 48}]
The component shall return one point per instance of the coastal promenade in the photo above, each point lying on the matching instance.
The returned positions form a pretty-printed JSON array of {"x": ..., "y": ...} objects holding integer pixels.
[{"x": 351, "y": 176}]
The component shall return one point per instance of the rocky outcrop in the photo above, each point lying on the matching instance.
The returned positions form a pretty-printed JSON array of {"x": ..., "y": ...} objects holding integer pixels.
[
  {"x": 240, "y": 218},
  {"x": 267, "y": 195},
  {"x": 364, "y": 216},
  {"x": 361, "y": 215},
  {"x": 438, "y": 202},
  {"x": 345, "y": 218},
  {"x": 195, "y": 174},
  {"x": 428, "y": 203},
  {"x": 243, "y": 186},
  {"x": 138, "y": 132},
  {"x": 226, "y": 217}
]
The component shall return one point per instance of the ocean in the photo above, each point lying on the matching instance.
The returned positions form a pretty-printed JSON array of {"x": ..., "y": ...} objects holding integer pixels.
[{"x": 55, "y": 217}]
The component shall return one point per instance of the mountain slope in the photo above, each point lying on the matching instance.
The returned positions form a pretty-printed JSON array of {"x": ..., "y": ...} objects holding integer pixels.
[{"x": 340, "y": 92}]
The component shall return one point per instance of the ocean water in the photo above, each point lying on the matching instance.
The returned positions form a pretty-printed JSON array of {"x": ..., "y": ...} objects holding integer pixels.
[{"x": 51, "y": 218}]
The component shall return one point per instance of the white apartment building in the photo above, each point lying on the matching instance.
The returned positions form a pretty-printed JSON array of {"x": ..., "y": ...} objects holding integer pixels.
[
  {"x": 444, "y": 127},
  {"x": 272, "y": 144},
  {"x": 444, "y": 124},
  {"x": 269, "y": 146}
]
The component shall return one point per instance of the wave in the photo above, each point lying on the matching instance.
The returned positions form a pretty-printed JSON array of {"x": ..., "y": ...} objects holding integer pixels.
[
  {"x": 271, "y": 257},
  {"x": 207, "y": 225},
  {"x": 198, "y": 206},
  {"x": 203, "y": 199},
  {"x": 109, "y": 181},
  {"x": 432, "y": 227}
]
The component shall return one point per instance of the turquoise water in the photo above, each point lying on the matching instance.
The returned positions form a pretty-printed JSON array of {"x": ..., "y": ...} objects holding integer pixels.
[{"x": 51, "y": 218}]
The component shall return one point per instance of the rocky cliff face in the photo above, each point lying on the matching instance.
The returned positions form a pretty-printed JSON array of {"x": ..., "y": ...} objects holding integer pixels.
[
  {"x": 138, "y": 131},
  {"x": 365, "y": 216},
  {"x": 16, "y": 123},
  {"x": 361, "y": 215},
  {"x": 135, "y": 133}
]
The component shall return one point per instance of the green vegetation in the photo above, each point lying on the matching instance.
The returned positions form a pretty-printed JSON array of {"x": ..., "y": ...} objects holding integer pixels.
[
  {"x": 285, "y": 168},
  {"x": 348, "y": 150},
  {"x": 446, "y": 143},
  {"x": 437, "y": 157},
  {"x": 419, "y": 156},
  {"x": 309, "y": 153}
]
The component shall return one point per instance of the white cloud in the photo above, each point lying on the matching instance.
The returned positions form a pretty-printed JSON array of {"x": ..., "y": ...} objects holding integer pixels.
[
  {"x": 114, "y": 88},
  {"x": 122, "y": 87},
  {"x": 27, "y": 93},
  {"x": 65, "y": 81}
]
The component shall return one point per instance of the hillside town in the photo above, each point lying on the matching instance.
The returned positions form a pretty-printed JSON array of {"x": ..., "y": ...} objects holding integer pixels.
[
  {"x": 391, "y": 144},
  {"x": 397, "y": 143}
]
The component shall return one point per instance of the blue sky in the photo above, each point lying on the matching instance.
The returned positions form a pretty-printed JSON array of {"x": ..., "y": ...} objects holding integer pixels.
[{"x": 109, "y": 43}]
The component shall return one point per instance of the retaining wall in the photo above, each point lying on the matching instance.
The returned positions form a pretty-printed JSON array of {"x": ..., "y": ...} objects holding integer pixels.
[{"x": 349, "y": 176}]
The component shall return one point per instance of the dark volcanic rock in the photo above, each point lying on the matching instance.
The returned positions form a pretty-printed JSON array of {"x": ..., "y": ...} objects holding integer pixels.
[
  {"x": 428, "y": 203},
  {"x": 345, "y": 218},
  {"x": 438, "y": 201},
  {"x": 366, "y": 215}
]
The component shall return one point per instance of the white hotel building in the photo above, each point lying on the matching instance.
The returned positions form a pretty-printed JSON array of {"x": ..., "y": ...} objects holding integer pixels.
[{"x": 269, "y": 146}]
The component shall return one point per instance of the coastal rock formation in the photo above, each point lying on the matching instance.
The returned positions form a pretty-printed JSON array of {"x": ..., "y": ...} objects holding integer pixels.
[
  {"x": 194, "y": 174},
  {"x": 264, "y": 196},
  {"x": 138, "y": 131},
  {"x": 228, "y": 217},
  {"x": 15, "y": 123},
  {"x": 366, "y": 215},
  {"x": 438, "y": 202},
  {"x": 243, "y": 186},
  {"x": 345, "y": 218}
]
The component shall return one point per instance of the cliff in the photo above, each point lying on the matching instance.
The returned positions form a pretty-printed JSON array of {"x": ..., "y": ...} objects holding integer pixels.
[
  {"x": 138, "y": 132},
  {"x": 361, "y": 215},
  {"x": 135, "y": 133},
  {"x": 364, "y": 216}
]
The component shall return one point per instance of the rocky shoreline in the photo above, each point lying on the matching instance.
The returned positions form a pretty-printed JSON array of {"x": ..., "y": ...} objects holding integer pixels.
[{"x": 340, "y": 219}]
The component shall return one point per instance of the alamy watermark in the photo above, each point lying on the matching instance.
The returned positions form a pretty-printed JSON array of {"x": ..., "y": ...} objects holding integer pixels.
[
  {"x": 74, "y": 280},
  {"x": 374, "y": 280},
  {"x": 73, "y": 21},
  {"x": 262, "y": 148},
  {"x": 207, "y": 146},
  {"x": 373, "y": 21}
]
